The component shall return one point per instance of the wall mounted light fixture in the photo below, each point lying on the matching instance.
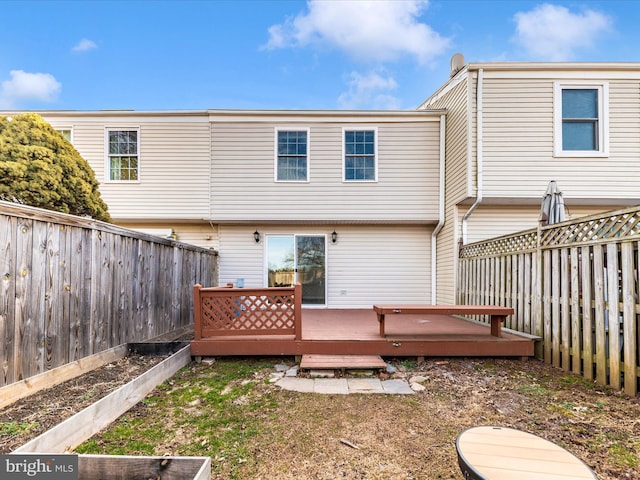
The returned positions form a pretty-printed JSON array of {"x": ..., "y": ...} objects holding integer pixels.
[
  {"x": 256, "y": 236},
  {"x": 334, "y": 237}
]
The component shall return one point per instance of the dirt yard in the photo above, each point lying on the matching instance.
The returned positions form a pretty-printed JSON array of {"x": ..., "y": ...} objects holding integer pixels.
[{"x": 252, "y": 429}]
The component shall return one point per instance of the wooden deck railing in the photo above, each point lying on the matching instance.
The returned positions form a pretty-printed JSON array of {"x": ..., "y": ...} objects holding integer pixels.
[{"x": 227, "y": 311}]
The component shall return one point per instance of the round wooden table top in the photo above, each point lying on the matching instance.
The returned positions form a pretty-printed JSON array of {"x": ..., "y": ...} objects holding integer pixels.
[{"x": 501, "y": 453}]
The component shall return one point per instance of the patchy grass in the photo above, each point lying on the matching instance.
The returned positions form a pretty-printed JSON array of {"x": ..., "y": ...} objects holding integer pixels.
[
  {"x": 14, "y": 428},
  {"x": 253, "y": 430}
]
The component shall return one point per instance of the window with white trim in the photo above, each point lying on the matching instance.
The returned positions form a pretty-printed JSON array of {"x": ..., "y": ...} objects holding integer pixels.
[
  {"x": 360, "y": 155},
  {"x": 67, "y": 133},
  {"x": 122, "y": 155},
  {"x": 292, "y": 158},
  {"x": 581, "y": 123}
]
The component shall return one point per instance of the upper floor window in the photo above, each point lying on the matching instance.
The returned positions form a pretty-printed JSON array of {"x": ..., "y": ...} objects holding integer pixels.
[
  {"x": 123, "y": 154},
  {"x": 292, "y": 155},
  {"x": 67, "y": 133},
  {"x": 360, "y": 155},
  {"x": 581, "y": 120}
]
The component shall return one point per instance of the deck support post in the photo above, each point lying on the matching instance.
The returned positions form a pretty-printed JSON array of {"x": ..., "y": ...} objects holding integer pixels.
[
  {"x": 197, "y": 312},
  {"x": 297, "y": 310}
]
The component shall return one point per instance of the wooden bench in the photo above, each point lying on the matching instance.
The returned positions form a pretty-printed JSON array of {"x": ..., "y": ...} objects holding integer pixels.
[{"x": 497, "y": 315}]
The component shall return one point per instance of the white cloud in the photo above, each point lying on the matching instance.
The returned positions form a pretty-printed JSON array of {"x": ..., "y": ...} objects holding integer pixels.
[
  {"x": 24, "y": 86},
  {"x": 370, "y": 91},
  {"x": 84, "y": 46},
  {"x": 554, "y": 33},
  {"x": 379, "y": 30}
]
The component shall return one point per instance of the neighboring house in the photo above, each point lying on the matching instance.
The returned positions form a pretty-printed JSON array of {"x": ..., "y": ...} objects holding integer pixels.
[
  {"x": 357, "y": 205},
  {"x": 345, "y": 202},
  {"x": 513, "y": 127}
]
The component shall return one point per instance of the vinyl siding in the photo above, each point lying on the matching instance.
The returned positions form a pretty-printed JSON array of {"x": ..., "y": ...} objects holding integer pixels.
[
  {"x": 244, "y": 189},
  {"x": 519, "y": 139},
  {"x": 201, "y": 234},
  {"x": 367, "y": 265},
  {"x": 457, "y": 103},
  {"x": 173, "y": 165}
]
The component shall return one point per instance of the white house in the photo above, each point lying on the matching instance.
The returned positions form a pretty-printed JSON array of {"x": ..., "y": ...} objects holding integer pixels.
[
  {"x": 513, "y": 127},
  {"x": 345, "y": 202},
  {"x": 369, "y": 207}
]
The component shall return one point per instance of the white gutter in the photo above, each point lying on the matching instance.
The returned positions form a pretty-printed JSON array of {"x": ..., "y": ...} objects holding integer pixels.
[
  {"x": 441, "y": 217},
  {"x": 479, "y": 163}
]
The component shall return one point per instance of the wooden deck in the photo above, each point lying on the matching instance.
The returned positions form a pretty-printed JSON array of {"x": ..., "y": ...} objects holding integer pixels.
[{"x": 356, "y": 332}]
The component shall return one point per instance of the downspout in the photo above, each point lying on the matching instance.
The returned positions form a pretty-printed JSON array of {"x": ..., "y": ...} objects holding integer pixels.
[
  {"x": 441, "y": 217},
  {"x": 479, "y": 163}
]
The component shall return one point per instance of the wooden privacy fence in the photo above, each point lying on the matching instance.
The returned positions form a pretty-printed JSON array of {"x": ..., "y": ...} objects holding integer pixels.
[
  {"x": 574, "y": 284},
  {"x": 228, "y": 311},
  {"x": 71, "y": 287}
]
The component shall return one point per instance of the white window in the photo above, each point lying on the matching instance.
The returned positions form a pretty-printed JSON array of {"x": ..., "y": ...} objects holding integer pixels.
[
  {"x": 122, "y": 155},
  {"x": 581, "y": 120},
  {"x": 360, "y": 147},
  {"x": 292, "y": 155},
  {"x": 67, "y": 133}
]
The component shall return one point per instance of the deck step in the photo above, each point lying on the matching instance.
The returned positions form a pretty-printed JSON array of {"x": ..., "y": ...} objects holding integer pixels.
[{"x": 311, "y": 361}]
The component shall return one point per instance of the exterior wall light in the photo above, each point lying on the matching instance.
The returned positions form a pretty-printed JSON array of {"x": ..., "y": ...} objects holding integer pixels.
[
  {"x": 334, "y": 237},
  {"x": 256, "y": 236}
]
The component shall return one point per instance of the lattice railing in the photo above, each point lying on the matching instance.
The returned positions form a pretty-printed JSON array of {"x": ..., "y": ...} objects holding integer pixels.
[
  {"x": 611, "y": 226},
  {"x": 520, "y": 242},
  {"x": 227, "y": 311}
]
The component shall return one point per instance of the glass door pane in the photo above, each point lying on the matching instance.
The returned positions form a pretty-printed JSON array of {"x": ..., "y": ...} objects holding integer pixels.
[
  {"x": 311, "y": 268},
  {"x": 298, "y": 258},
  {"x": 280, "y": 261}
]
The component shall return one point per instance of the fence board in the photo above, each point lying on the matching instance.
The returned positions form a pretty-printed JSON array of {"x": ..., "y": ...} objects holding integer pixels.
[
  {"x": 526, "y": 326},
  {"x": 614, "y": 315},
  {"x": 587, "y": 313},
  {"x": 8, "y": 235},
  {"x": 576, "y": 361},
  {"x": 556, "y": 297},
  {"x": 601, "y": 335},
  {"x": 512, "y": 288},
  {"x": 629, "y": 331},
  {"x": 54, "y": 298},
  {"x": 565, "y": 323},
  {"x": 548, "y": 328}
]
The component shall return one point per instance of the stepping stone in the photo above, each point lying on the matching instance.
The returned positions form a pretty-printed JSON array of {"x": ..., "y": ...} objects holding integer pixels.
[
  {"x": 331, "y": 386},
  {"x": 304, "y": 385},
  {"x": 365, "y": 385},
  {"x": 397, "y": 387}
]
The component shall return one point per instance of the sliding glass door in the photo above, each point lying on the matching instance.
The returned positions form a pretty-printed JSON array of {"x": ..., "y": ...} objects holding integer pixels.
[{"x": 298, "y": 258}]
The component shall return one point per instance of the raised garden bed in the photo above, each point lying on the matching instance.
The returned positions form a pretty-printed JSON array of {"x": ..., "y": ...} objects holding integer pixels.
[
  {"x": 74, "y": 430},
  {"x": 110, "y": 467}
]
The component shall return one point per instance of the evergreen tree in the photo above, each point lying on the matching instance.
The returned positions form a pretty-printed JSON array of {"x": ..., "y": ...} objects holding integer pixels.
[{"x": 39, "y": 167}]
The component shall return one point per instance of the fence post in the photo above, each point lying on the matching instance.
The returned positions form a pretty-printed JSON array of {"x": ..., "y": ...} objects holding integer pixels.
[{"x": 537, "y": 322}]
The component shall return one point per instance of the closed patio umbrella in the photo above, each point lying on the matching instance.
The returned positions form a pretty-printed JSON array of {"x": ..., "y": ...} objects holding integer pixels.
[{"x": 552, "y": 210}]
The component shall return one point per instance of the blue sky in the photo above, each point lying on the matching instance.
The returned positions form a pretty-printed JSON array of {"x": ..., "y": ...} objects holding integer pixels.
[{"x": 288, "y": 54}]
